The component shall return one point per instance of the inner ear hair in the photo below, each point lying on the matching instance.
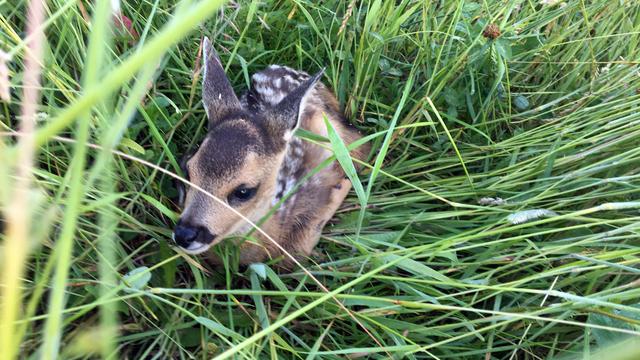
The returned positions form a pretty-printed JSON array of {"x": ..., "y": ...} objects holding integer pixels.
[{"x": 217, "y": 93}]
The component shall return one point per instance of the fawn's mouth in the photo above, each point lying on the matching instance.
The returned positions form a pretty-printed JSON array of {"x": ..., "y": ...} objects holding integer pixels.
[{"x": 196, "y": 248}]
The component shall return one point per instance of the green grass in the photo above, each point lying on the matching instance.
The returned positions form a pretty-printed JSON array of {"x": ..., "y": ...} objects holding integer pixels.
[{"x": 501, "y": 215}]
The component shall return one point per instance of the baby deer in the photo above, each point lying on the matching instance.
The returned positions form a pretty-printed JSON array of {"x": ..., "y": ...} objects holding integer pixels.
[{"x": 250, "y": 159}]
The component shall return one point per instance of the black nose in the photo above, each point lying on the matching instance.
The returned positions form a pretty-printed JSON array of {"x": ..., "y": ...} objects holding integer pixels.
[{"x": 185, "y": 235}]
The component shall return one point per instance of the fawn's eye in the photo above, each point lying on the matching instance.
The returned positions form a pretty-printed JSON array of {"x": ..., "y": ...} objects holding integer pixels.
[{"x": 241, "y": 194}]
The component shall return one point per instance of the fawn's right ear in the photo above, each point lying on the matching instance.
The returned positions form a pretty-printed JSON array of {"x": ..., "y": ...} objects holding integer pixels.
[
  {"x": 217, "y": 94},
  {"x": 286, "y": 114}
]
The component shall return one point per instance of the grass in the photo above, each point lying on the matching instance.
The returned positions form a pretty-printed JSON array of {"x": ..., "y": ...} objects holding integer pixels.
[{"x": 498, "y": 215}]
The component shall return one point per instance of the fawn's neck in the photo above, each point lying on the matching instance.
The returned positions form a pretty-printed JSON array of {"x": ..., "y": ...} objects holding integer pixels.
[{"x": 290, "y": 172}]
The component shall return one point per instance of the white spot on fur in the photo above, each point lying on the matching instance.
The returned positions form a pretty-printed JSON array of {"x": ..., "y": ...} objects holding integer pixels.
[
  {"x": 290, "y": 183},
  {"x": 259, "y": 77},
  {"x": 288, "y": 135},
  {"x": 289, "y": 79},
  {"x": 266, "y": 91},
  {"x": 269, "y": 94},
  {"x": 291, "y": 164}
]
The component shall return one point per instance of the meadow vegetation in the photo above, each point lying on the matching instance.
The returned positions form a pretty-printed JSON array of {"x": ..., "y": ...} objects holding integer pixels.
[{"x": 497, "y": 217}]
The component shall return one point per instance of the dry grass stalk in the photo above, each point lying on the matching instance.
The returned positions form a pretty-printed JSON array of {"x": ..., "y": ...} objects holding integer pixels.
[{"x": 17, "y": 214}]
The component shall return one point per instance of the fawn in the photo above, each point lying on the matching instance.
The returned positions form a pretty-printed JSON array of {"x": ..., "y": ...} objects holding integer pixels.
[{"x": 250, "y": 159}]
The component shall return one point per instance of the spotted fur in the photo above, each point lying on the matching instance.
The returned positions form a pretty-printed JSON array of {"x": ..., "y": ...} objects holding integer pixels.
[
  {"x": 250, "y": 143},
  {"x": 268, "y": 88}
]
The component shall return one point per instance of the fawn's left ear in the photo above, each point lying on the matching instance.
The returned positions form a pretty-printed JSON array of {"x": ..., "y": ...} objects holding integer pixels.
[
  {"x": 286, "y": 114},
  {"x": 217, "y": 94}
]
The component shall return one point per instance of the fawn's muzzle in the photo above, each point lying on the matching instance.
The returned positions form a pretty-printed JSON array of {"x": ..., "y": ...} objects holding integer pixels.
[{"x": 193, "y": 239}]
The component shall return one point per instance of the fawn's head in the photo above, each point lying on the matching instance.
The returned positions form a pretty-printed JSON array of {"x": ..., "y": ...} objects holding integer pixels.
[{"x": 238, "y": 160}]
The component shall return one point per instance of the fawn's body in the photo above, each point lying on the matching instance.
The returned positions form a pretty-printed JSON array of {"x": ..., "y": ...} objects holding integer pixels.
[{"x": 251, "y": 159}]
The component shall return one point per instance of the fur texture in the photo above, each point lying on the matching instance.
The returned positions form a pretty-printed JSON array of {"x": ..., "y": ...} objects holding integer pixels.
[{"x": 250, "y": 145}]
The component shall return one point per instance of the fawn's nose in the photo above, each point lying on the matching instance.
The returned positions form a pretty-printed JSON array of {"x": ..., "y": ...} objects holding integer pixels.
[
  {"x": 185, "y": 235},
  {"x": 192, "y": 238}
]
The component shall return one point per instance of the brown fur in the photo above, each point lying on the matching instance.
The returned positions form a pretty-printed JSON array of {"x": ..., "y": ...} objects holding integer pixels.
[
  {"x": 245, "y": 147},
  {"x": 318, "y": 199}
]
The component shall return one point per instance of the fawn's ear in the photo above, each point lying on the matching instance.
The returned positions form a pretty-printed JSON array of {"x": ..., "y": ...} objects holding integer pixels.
[
  {"x": 286, "y": 114},
  {"x": 217, "y": 94}
]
